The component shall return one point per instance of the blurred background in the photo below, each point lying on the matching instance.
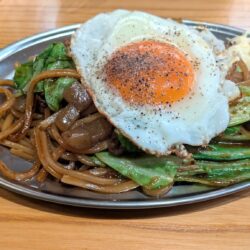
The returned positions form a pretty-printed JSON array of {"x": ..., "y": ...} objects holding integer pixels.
[{"x": 21, "y": 18}]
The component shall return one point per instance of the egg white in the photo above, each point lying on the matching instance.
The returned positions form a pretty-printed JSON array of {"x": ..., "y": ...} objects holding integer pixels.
[{"x": 200, "y": 116}]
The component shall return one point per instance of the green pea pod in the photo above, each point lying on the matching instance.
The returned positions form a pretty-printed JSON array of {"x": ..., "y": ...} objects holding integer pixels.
[
  {"x": 148, "y": 171},
  {"x": 126, "y": 143},
  {"x": 245, "y": 90},
  {"x": 240, "y": 112},
  {"x": 234, "y": 134},
  {"x": 215, "y": 173},
  {"x": 223, "y": 152}
]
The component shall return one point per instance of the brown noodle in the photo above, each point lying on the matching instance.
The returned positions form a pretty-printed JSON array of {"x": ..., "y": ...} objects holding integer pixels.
[
  {"x": 19, "y": 176},
  {"x": 10, "y": 99},
  {"x": 14, "y": 128},
  {"x": 242, "y": 78},
  {"x": 115, "y": 188},
  {"x": 7, "y": 83},
  {"x": 45, "y": 157},
  {"x": 42, "y": 175},
  {"x": 244, "y": 69},
  {"x": 30, "y": 93}
]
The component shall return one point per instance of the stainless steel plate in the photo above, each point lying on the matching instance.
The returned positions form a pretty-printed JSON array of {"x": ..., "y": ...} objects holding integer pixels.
[{"x": 55, "y": 192}]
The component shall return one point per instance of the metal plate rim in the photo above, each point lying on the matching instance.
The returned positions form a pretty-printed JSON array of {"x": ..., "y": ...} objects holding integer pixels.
[
  {"x": 114, "y": 204},
  {"x": 149, "y": 204}
]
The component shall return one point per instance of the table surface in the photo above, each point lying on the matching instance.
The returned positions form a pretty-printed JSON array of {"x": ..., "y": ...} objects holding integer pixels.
[{"x": 29, "y": 224}]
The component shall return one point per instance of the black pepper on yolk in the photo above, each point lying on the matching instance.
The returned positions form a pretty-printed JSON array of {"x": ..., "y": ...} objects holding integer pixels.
[{"x": 150, "y": 72}]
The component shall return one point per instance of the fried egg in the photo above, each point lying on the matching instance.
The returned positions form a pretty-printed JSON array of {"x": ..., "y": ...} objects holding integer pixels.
[{"x": 155, "y": 80}]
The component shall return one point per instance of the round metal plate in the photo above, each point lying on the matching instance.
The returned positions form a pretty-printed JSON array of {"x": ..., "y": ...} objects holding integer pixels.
[{"x": 54, "y": 191}]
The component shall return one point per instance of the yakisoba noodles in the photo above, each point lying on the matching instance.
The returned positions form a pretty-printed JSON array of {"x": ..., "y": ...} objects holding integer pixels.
[{"x": 45, "y": 153}]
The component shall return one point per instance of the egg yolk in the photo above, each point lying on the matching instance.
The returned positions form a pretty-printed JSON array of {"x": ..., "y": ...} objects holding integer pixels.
[{"x": 150, "y": 72}]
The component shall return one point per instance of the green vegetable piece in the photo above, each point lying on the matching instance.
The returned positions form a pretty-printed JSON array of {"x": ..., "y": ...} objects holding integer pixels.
[
  {"x": 238, "y": 69},
  {"x": 126, "y": 143},
  {"x": 234, "y": 134},
  {"x": 58, "y": 58},
  {"x": 223, "y": 152},
  {"x": 53, "y": 57},
  {"x": 58, "y": 50},
  {"x": 240, "y": 112},
  {"x": 60, "y": 65},
  {"x": 54, "y": 91},
  {"x": 23, "y": 75},
  {"x": 232, "y": 130},
  {"x": 46, "y": 52},
  {"x": 245, "y": 90},
  {"x": 38, "y": 66},
  {"x": 148, "y": 171},
  {"x": 216, "y": 173},
  {"x": 97, "y": 161}
]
